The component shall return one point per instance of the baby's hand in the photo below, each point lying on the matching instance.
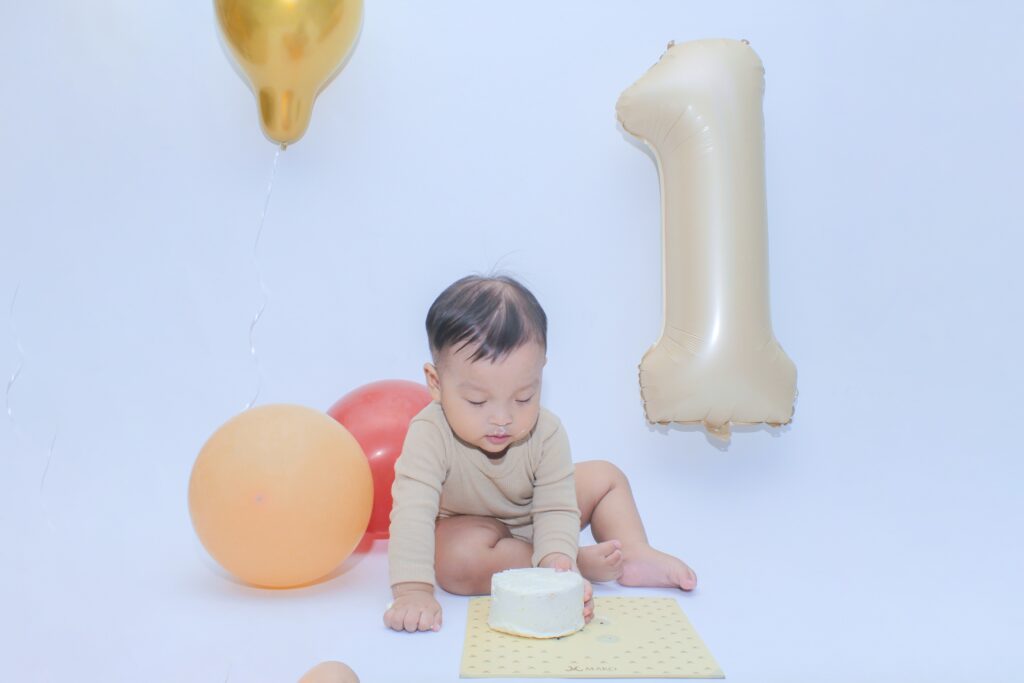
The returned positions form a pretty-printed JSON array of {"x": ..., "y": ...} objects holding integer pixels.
[
  {"x": 588, "y": 602},
  {"x": 413, "y": 609},
  {"x": 563, "y": 563}
]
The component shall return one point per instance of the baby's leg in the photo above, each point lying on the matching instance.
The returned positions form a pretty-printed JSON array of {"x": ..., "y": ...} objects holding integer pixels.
[
  {"x": 606, "y": 503},
  {"x": 469, "y": 550}
]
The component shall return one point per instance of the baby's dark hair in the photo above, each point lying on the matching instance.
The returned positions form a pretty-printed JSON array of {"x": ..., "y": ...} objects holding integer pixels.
[{"x": 497, "y": 314}]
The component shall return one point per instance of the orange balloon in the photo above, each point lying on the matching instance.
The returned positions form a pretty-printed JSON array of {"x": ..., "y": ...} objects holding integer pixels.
[
  {"x": 330, "y": 672},
  {"x": 280, "y": 495}
]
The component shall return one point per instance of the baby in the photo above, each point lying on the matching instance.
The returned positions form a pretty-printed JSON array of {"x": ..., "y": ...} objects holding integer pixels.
[{"x": 485, "y": 481}]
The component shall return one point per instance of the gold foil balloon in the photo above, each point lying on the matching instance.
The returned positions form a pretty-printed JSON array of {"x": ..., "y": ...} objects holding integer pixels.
[{"x": 288, "y": 51}]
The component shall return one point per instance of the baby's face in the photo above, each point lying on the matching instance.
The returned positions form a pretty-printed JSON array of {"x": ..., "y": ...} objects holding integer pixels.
[{"x": 489, "y": 405}]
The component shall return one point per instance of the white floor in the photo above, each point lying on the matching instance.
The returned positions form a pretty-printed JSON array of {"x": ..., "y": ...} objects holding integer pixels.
[{"x": 809, "y": 570}]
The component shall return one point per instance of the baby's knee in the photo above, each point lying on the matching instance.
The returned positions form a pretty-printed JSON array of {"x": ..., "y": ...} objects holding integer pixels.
[
  {"x": 454, "y": 581},
  {"x": 458, "y": 570},
  {"x": 462, "y": 544},
  {"x": 603, "y": 472},
  {"x": 458, "y": 552}
]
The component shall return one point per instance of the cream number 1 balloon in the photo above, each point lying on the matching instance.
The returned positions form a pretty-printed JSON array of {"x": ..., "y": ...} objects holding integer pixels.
[{"x": 717, "y": 361}]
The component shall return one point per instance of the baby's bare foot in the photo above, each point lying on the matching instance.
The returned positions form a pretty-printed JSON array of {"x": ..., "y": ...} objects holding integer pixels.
[
  {"x": 601, "y": 562},
  {"x": 645, "y": 566}
]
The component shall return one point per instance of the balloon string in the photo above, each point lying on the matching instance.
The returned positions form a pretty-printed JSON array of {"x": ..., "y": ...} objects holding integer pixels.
[
  {"x": 10, "y": 411},
  {"x": 42, "y": 481},
  {"x": 21, "y": 361},
  {"x": 49, "y": 457},
  {"x": 265, "y": 295}
]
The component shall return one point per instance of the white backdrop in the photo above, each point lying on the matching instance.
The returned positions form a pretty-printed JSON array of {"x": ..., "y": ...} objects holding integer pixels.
[{"x": 879, "y": 537}]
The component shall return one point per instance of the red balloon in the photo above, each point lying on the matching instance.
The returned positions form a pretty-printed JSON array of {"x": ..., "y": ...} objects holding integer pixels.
[{"x": 378, "y": 415}]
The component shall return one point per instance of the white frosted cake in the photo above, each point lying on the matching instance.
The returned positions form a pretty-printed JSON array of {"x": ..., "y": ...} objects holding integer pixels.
[{"x": 536, "y": 602}]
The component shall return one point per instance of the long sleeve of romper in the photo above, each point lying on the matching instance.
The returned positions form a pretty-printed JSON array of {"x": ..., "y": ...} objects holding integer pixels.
[
  {"x": 556, "y": 516},
  {"x": 419, "y": 475}
]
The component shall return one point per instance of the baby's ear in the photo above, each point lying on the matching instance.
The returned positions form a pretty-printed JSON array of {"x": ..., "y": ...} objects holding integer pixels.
[{"x": 433, "y": 381}]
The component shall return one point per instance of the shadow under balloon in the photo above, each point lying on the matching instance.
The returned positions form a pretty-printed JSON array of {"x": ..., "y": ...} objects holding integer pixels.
[
  {"x": 351, "y": 562},
  {"x": 224, "y": 584},
  {"x": 716, "y": 441}
]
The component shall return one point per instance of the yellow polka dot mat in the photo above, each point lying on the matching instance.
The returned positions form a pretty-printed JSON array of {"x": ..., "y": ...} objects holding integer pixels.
[{"x": 627, "y": 638}]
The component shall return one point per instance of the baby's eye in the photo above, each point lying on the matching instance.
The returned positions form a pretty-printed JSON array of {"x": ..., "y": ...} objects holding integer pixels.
[
  {"x": 524, "y": 400},
  {"x": 475, "y": 403}
]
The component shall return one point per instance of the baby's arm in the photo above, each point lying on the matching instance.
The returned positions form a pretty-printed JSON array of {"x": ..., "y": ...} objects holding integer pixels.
[
  {"x": 556, "y": 516},
  {"x": 419, "y": 476}
]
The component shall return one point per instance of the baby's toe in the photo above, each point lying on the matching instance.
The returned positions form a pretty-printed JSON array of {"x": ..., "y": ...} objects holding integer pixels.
[{"x": 687, "y": 579}]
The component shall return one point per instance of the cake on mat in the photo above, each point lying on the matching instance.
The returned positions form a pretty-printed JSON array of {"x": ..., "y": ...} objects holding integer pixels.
[{"x": 536, "y": 602}]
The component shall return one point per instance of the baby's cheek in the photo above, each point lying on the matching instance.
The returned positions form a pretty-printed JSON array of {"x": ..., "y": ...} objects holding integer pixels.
[{"x": 529, "y": 421}]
